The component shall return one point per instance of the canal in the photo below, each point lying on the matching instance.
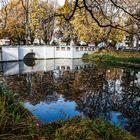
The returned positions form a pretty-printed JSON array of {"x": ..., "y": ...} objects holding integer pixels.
[{"x": 63, "y": 88}]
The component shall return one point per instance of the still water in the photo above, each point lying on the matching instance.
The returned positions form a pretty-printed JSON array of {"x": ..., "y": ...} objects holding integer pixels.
[{"x": 63, "y": 88}]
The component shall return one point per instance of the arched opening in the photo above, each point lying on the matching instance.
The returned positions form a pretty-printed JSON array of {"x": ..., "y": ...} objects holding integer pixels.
[
  {"x": 30, "y": 55},
  {"x": 29, "y": 59}
]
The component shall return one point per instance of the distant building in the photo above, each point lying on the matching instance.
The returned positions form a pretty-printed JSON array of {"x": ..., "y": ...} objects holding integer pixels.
[
  {"x": 4, "y": 42},
  {"x": 130, "y": 41}
]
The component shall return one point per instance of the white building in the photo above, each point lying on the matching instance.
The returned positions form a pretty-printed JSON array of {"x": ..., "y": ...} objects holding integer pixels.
[{"x": 4, "y": 42}]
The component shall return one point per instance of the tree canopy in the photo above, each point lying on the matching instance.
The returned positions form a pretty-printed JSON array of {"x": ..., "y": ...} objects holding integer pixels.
[{"x": 86, "y": 20}]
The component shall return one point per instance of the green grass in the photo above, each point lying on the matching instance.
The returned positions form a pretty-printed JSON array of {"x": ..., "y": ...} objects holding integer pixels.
[
  {"x": 17, "y": 123},
  {"x": 14, "y": 119},
  {"x": 114, "y": 57},
  {"x": 86, "y": 129}
]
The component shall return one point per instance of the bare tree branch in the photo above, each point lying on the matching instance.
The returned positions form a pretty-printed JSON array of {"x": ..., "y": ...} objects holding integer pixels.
[{"x": 121, "y": 7}]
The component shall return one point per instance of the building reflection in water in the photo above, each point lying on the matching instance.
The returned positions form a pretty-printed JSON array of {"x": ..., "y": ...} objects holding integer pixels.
[{"x": 76, "y": 88}]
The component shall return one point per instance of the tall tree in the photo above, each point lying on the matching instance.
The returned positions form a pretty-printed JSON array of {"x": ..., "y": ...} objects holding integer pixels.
[
  {"x": 110, "y": 10},
  {"x": 66, "y": 27},
  {"x": 13, "y": 21}
]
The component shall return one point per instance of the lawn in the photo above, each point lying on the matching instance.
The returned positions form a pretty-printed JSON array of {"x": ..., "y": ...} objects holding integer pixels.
[{"x": 114, "y": 57}]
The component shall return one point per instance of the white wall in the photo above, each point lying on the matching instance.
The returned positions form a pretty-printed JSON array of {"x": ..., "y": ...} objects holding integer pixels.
[
  {"x": 11, "y": 68},
  {"x": 43, "y": 52},
  {"x": 63, "y": 52},
  {"x": 49, "y": 52},
  {"x": 74, "y": 52},
  {"x": 9, "y": 54},
  {"x": 39, "y": 51}
]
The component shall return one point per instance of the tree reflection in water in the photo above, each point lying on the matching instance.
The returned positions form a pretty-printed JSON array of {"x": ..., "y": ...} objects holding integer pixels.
[{"x": 97, "y": 91}]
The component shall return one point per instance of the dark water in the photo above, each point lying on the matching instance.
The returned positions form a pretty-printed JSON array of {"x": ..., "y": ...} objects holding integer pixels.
[{"x": 61, "y": 89}]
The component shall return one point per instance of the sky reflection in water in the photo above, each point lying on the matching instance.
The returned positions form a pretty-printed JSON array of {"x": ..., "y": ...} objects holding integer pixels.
[
  {"x": 48, "y": 112},
  {"x": 60, "y": 89}
]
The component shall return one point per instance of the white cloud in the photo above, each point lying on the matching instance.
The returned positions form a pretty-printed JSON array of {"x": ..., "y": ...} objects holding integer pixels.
[{"x": 61, "y": 2}]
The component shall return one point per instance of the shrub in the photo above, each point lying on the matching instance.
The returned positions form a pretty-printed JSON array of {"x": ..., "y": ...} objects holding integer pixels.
[{"x": 85, "y": 55}]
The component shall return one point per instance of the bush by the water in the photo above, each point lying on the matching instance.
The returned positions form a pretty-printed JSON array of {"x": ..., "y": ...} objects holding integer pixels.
[
  {"x": 85, "y": 55},
  {"x": 17, "y": 123}
]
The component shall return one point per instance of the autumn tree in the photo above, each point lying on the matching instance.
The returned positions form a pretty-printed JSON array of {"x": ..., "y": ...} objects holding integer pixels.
[
  {"x": 87, "y": 30},
  {"x": 13, "y": 22},
  {"x": 106, "y": 14},
  {"x": 47, "y": 22},
  {"x": 24, "y": 21},
  {"x": 76, "y": 19},
  {"x": 66, "y": 28}
]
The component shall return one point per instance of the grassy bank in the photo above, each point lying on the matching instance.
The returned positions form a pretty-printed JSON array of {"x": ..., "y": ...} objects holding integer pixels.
[
  {"x": 114, "y": 57},
  {"x": 17, "y": 123}
]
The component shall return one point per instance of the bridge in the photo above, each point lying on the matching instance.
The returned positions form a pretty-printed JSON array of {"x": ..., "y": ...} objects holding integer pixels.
[{"x": 16, "y": 53}]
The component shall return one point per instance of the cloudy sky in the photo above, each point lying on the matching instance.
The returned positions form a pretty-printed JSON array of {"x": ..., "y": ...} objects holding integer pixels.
[{"x": 61, "y": 2}]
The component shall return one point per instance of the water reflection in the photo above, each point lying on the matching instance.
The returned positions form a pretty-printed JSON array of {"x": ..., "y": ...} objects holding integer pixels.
[
  {"x": 22, "y": 67},
  {"x": 55, "y": 110},
  {"x": 87, "y": 90}
]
